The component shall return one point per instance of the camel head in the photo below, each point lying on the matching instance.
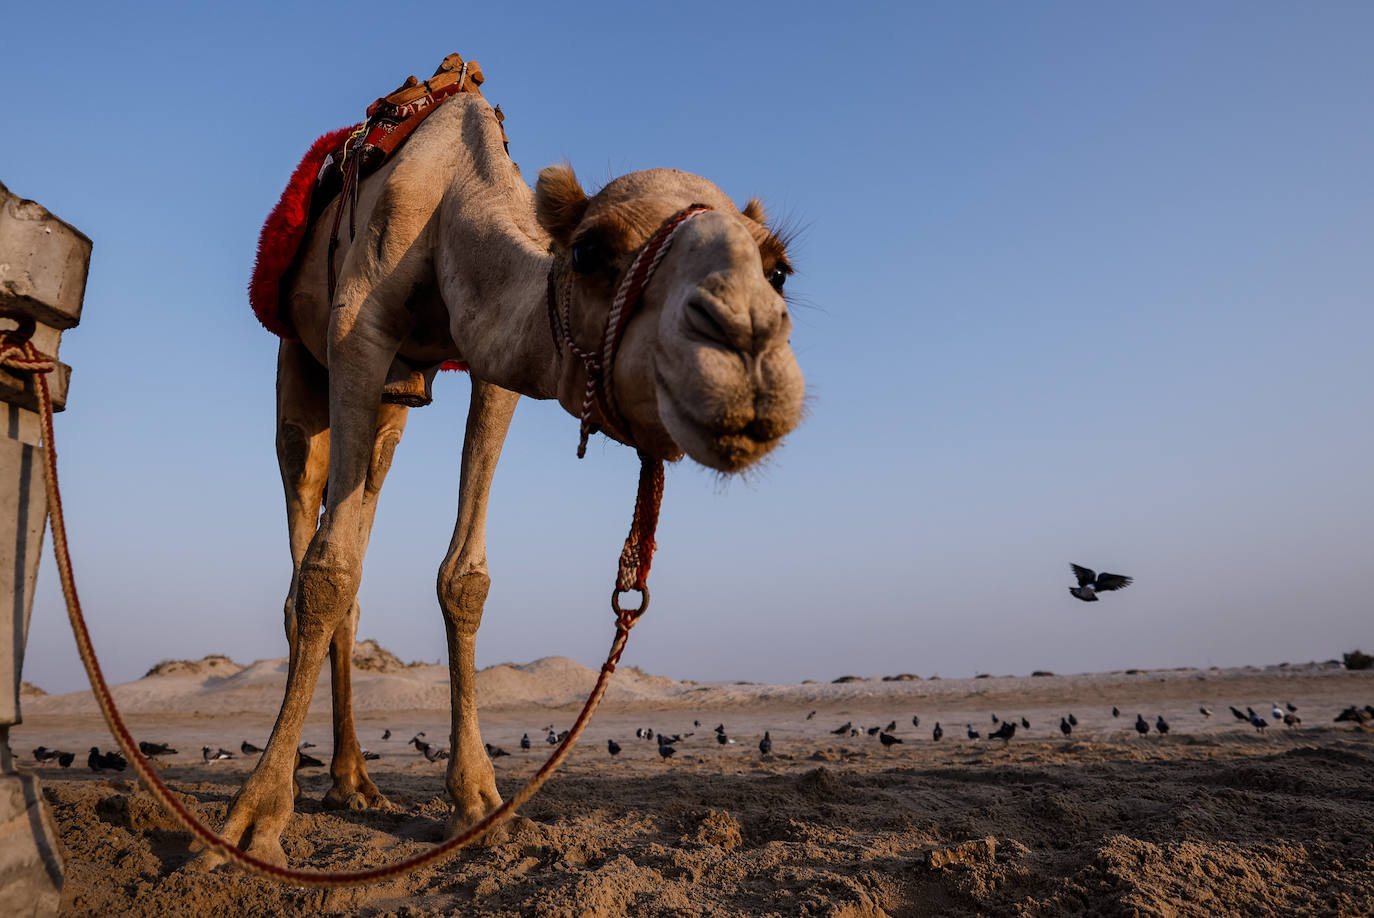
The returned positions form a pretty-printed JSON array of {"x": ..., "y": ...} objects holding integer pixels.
[{"x": 705, "y": 366}]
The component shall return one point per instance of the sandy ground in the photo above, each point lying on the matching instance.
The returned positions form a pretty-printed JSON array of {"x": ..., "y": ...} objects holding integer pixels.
[{"x": 1212, "y": 819}]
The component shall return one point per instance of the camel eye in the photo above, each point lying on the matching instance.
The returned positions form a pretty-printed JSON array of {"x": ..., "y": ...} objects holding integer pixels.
[
  {"x": 778, "y": 276},
  {"x": 588, "y": 255}
]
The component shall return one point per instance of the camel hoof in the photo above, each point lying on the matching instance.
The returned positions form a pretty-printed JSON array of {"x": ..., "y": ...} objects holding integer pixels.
[
  {"x": 499, "y": 835},
  {"x": 357, "y": 800}
]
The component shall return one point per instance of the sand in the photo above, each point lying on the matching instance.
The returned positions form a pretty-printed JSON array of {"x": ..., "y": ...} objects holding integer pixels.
[{"x": 1212, "y": 819}]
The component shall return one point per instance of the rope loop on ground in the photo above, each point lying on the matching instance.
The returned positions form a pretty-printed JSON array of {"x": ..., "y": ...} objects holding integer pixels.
[{"x": 18, "y": 354}]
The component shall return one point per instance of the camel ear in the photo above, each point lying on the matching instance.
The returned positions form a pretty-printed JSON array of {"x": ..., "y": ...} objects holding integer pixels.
[
  {"x": 559, "y": 202},
  {"x": 754, "y": 211}
]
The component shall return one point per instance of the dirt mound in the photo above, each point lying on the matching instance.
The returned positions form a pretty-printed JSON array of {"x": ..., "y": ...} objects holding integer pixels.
[
  {"x": 29, "y": 690},
  {"x": 214, "y": 664},
  {"x": 372, "y": 657}
]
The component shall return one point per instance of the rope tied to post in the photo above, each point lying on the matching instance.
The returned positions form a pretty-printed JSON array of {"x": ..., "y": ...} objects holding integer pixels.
[{"x": 18, "y": 354}]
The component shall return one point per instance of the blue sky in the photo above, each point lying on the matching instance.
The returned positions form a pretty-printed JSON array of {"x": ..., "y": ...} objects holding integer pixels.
[{"x": 1077, "y": 282}]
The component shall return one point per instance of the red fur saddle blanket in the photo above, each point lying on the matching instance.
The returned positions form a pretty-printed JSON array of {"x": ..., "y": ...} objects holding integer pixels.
[{"x": 320, "y": 177}]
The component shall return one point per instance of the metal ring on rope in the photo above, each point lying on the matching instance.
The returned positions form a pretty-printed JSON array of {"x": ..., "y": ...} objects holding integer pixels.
[{"x": 17, "y": 353}]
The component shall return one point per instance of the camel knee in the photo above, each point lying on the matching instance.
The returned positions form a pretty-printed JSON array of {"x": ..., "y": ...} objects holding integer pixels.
[
  {"x": 462, "y": 599},
  {"x": 325, "y": 593}
]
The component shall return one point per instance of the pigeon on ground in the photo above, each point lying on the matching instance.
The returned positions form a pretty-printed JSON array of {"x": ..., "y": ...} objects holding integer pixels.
[
  {"x": 994, "y": 719},
  {"x": 915, "y": 720},
  {"x": 937, "y": 734},
  {"x": 1065, "y": 727},
  {"x": 888, "y": 740},
  {"x": 612, "y": 747},
  {"x": 551, "y": 739},
  {"x": 1025, "y": 723},
  {"x": 495, "y": 752},
  {"x": 1290, "y": 719},
  {"x": 248, "y": 748},
  {"x": 433, "y": 753},
  {"x": 1004, "y": 732},
  {"x": 841, "y": 731},
  {"x": 666, "y": 751},
  {"x": 1238, "y": 714},
  {"x": 1073, "y": 721},
  {"x": 873, "y": 731},
  {"x": 890, "y": 727},
  {"x": 1161, "y": 724},
  {"x": 722, "y": 738},
  {"x": 525, "y": 741},
  {"x": 1276, "y": 712},
  {"x": 44, "y": 754},
  {"x": 112, "y": 761},
  {"x": 312, "y": 745},
  {"x": 369, "y": 755},
  {"x": 217, "y": 755},
  {"x": 1116, "y": 712},
  {"x": 766, "y": 744},
  {"x": 972, "y": 733},
  {"x": 1141, "y": 725},
  {"x": 386, "y": 735},
  {"x": 1292, "y": 707},
  {"x": 305, "y": 760},
  {"x": 153, "y": 750},
  {"x": 65, "y": 759},
  {"x": 1090, "y": 584},
  {"x": 1203, "y": 710},
  {"x": 1259, "y": 723},
  {"x": 808, "y": 717}
]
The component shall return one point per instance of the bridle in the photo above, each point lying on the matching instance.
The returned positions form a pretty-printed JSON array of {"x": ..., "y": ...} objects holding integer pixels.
[{"x": 599, "y": 362}]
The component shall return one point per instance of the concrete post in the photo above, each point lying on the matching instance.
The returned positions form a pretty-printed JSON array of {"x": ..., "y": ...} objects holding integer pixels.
[{"x": 43, "y": 264}]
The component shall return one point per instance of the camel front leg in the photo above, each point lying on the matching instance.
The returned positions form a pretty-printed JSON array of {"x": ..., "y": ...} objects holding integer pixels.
[
  {"x": 463, "y": 585},
  {"x": 327, "y": 586},
  {"x": 352, "y": 788}
]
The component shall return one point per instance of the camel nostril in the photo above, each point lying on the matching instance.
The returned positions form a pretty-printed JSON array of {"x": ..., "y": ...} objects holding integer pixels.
[{"x": 704, "y": 319}]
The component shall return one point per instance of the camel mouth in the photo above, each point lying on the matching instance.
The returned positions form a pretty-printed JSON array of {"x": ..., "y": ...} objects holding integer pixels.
[{"x": 725, "y": 444}]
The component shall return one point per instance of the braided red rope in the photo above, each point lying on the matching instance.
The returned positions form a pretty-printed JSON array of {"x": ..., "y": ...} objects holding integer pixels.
[{"x": 18, "y": 353}]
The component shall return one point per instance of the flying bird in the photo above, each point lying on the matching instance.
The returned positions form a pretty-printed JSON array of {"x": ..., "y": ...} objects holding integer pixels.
[
  {"x": 766, "y": 744},
  {"x": 1090, "y": 583}
]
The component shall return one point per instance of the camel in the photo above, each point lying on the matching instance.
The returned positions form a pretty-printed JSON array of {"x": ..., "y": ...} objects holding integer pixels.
[{"x": 453, "y": 259}]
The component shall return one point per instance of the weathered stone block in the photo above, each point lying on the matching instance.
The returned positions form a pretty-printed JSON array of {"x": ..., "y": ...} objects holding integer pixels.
[{"x": 43, "y": 262}]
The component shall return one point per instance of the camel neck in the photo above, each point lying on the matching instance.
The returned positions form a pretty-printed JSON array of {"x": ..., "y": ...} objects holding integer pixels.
[{"x": 499, "y": 285}]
